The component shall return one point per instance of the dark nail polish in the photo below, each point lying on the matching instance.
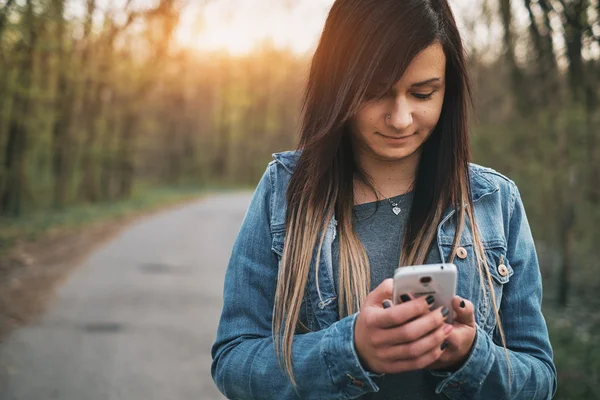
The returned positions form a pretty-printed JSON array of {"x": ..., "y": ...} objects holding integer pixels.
[
  {"x": 405, "y": 298},
  {"x": 387, "y": 304},
  {"x": 430, "y": 299},
  {"x": 444, "y": 311},
  {"x": 444, "y": 345},
  {"x": 462, "y": 304}
]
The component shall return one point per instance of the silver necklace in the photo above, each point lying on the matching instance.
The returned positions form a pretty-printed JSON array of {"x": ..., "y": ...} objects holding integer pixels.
[{"x": 395, "y": 207}]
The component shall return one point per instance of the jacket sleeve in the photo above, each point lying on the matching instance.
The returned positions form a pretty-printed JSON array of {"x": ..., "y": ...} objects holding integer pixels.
[
  {"x": 245, "y": 365},
  {"x": 532, "y": 371}
]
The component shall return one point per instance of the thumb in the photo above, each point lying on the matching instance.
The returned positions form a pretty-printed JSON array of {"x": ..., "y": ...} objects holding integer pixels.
[
  {"x": 382, "y": 292},
  {"x": 464, "y": 311}
]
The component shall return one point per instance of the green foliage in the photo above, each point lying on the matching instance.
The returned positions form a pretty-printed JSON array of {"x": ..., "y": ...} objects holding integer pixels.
[
  {"x": 49, "y": 221},
  {"x": 575, "y": 334},
  {"x": 117, "y": 120}
]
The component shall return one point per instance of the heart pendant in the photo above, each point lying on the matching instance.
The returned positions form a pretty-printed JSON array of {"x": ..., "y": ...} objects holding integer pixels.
[{"x": 396, "y": 210}]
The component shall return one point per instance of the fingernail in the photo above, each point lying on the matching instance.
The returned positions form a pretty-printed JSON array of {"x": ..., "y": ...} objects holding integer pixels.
[
  {"x": 430, "y": 299},
  {"x": 462, "y": 304},
  {"x": 387, "y": 304},
  {"x": 444, "y": 312},
  {"x": 444, "y": 345},
  {"x": 447, "y": 329},
  {"x": 405, "y": 298}
]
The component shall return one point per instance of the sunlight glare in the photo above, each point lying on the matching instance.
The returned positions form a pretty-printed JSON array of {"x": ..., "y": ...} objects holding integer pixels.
[{"x": 240, "y": 26}]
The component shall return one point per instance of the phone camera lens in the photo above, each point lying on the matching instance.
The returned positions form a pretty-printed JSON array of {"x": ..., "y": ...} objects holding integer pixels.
[{"x": 426, "y": 279}]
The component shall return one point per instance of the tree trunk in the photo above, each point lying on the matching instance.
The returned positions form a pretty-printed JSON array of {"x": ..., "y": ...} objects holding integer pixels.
[
  {"x": 107, "y": 161},
  {"x": 565, "y": 186},
  {"x": 88, "y": 186},
  {"x": 62, "y": 124},
  {"x": 61, "y": 145},
  {"x": 15, "y": 160},
  {"x": 544, "y": 49},
  {"x": 566, "y": 234},
  {"x": 222, "y": 148},
  {"x": 573, "y": 26},
  {"x": 219, "y": 162},
  {"x": 592, "y": 115},
  {"x": 125, "y": 157},
  {"x": 509, "y": 45}
]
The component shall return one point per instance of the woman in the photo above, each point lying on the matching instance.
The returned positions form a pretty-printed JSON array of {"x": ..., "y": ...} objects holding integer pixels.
[{"x": 382, "y": 179}]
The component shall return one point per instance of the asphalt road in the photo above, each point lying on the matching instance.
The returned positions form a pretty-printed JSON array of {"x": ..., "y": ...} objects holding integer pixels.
[{"x": 137, "y": 319}]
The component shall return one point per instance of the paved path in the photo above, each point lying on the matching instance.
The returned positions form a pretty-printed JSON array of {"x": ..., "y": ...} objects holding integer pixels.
[{"x": 137, "y": 319}]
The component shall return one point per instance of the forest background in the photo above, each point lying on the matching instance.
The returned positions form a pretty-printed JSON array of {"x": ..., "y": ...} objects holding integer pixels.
[{"x": 110, "y": 102}]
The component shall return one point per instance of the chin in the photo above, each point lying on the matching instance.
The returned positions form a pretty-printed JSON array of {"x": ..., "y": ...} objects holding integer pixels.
[{"x": 394, "y": 154}]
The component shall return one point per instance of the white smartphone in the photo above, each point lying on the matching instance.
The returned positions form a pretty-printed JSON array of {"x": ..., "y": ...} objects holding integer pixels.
[{"x": 438, "y": 280}]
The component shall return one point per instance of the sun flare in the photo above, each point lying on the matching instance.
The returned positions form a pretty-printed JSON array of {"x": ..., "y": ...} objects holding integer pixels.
[{"x": 242, "y": 28}]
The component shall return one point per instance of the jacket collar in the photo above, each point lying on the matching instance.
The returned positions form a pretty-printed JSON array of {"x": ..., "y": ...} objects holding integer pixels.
[{"x": 480, "y": 185}]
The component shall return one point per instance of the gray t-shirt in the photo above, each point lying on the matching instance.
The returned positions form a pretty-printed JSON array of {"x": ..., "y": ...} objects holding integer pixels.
[{"x": 381, "y": 232}]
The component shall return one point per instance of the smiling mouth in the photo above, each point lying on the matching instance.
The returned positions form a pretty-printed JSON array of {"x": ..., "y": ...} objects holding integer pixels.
[{"x": 394, "y": 137}]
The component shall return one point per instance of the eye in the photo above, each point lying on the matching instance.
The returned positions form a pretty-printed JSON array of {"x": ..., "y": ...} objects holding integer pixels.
[{"x": 422, "y": 96}]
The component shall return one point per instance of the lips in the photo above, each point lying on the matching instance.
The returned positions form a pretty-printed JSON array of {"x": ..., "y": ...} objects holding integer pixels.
[{"x": 395, "y": 137}]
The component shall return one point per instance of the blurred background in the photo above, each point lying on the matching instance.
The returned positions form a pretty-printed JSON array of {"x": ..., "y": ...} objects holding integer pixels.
[{"x": 109, "y": 106}]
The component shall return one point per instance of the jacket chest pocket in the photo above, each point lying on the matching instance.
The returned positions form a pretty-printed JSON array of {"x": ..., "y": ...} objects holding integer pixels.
[
  {"x": 500, "y": 272},
  {"x": 469, "y": 284},
  {"x": 306, "y": 321}
]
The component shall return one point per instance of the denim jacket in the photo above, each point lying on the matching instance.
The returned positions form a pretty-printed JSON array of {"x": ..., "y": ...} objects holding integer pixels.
[{"x": 325, "y": 362}]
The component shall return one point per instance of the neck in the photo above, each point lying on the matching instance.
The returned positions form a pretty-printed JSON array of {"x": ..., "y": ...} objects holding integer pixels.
[{"x": 390, "y": 177}]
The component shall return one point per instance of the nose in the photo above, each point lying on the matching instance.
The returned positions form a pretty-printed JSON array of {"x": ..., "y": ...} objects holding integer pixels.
[{"x": 401, "y": 116}]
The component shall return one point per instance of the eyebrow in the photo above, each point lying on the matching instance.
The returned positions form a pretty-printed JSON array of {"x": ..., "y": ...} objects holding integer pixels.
[{"x": 423, "y": 83}]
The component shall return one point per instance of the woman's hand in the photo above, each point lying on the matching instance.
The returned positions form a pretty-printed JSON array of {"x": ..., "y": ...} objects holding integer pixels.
[
  {"x": 460, "y": 341},
  {"x": 404, "y": 337}
]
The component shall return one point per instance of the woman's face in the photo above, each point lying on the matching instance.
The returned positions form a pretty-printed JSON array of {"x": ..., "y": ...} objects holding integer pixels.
[{"x": 395, "y": 127}]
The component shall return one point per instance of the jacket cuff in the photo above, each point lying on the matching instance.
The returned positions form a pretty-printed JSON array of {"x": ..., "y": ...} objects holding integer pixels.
[
  {"x": 466, "y": 382},
  {"x": 342, "y": 360}
]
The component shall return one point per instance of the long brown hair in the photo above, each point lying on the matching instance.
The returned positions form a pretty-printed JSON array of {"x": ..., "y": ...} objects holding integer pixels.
[{"x": 366, "y": 42}]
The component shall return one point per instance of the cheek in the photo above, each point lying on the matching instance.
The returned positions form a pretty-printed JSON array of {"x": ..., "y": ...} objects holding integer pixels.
[
  {"x": 366, "y": 120},
  {"x": 429, "y": 116}
]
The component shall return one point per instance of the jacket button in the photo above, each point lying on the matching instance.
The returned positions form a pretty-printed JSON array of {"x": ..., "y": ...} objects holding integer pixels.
[
  {"x": 502, "y": 270},
  {"x": 358, "y": 383},
  {"x": 461, "y": 253}
]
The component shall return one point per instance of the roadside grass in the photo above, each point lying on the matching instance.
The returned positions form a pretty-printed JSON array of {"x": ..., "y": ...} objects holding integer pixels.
[{"x": 36, "y": 225}]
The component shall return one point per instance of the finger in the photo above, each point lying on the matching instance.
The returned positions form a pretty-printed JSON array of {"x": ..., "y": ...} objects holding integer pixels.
[
  {"x": 454, "y": 337},
  {"x": 403, "y": 298},
  {"x": 444, "y": 358},
  {"x": 412, "y": 330},
  {"x": 464, "y": 311},
  {"x": 417, "y": 363},
  {"x": 401, "y": 313},
  {"x": 380, "y": 293},
  {"x": 415, "y": 349}
]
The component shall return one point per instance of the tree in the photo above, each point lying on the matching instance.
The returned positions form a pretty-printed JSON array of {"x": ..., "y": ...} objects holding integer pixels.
[{"x": 15, "y": 159}]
